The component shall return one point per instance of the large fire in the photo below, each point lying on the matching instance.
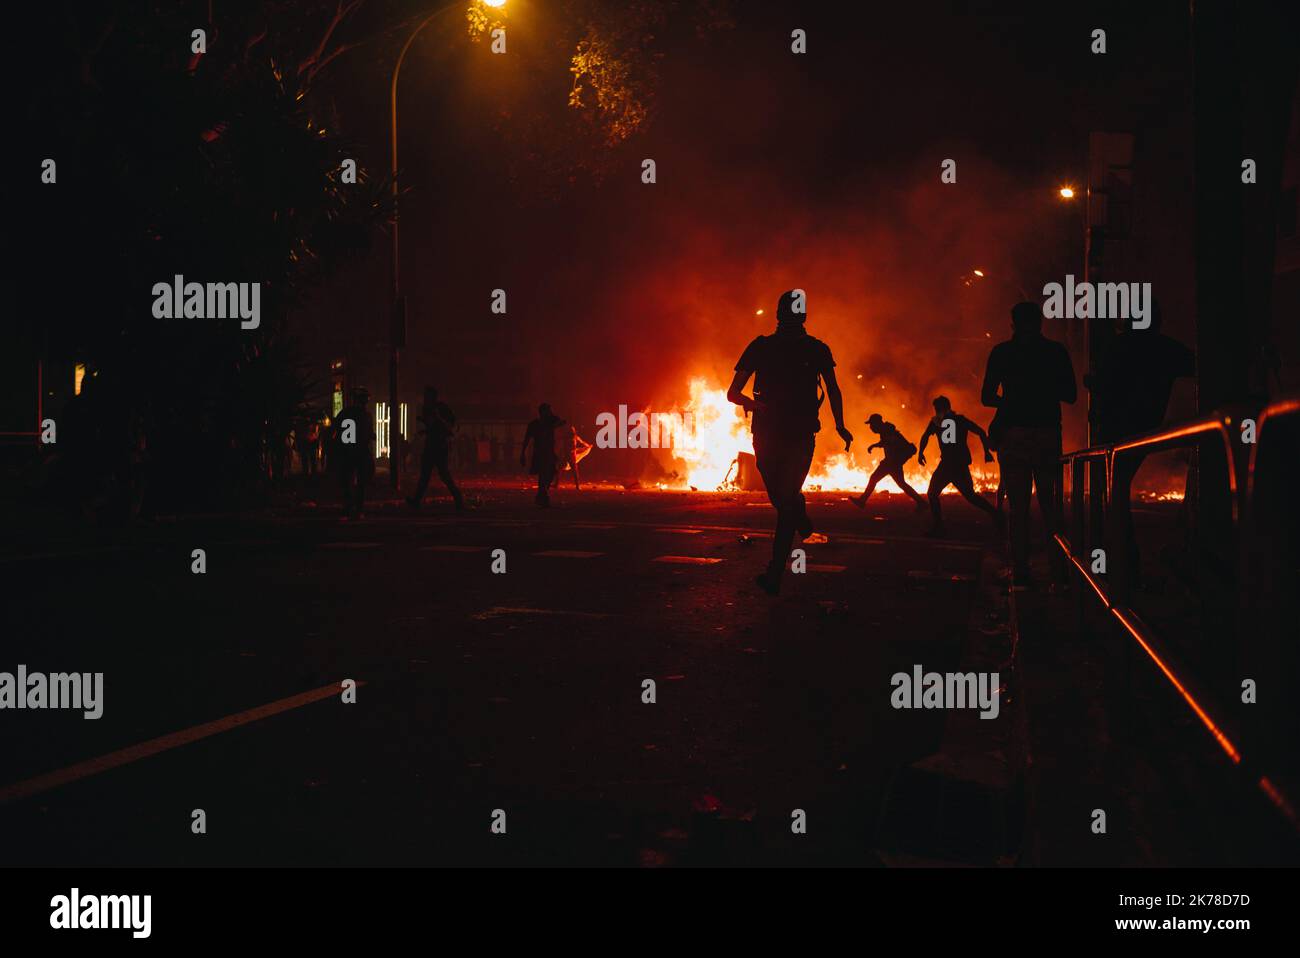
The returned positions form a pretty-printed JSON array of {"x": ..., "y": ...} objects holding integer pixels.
[
  {"x": 718, "y": 432},
  {"x": 721, "y": 432}
]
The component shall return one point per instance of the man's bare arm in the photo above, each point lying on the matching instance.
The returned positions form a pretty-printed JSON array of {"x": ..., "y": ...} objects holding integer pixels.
[
  {"x": 989, "y": 392},
  {"x": 836, "y": 399},
  {"x": 984, "y": 438},
  {"x": 736, "y": 392}
]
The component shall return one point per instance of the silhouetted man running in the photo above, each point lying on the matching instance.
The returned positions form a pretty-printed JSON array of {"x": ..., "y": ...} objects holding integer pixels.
[
  {"x": 439, "y": 426},
  {"x": 788, "y": 367},
  {"x": 1034, "y": 375},
  {"x": 953, "y": 430},
  {"x": 898, "y": 449},
  {"x": 541, "y": 433}
]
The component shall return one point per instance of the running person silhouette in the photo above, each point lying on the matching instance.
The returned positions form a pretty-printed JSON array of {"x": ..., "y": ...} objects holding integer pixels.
[
  {"x": 898, "y": 449},
  {"x": 788, "y": 367},
  {"x": 952, "y": 430}
]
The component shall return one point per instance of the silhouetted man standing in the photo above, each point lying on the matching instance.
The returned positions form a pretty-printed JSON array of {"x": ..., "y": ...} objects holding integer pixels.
[
  {"x": 541, "y": 433},
  {"x": 1135, "y": 379},
  {"x": 1131, "y": 391},
  {"x": 1034, "y": 376},
  {"x": 788, "y": 367},
  {"x": 953, "y": 430},
  {"x": 354, "y": 452},
  {"x": 439, "y": 426}
]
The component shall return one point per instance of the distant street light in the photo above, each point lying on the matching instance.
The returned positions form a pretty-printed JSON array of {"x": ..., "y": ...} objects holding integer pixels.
[{"x": 1067, "y": 192}]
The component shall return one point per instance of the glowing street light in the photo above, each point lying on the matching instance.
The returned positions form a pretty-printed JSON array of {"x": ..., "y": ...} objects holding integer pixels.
[{"x": 1067, "y": 192}]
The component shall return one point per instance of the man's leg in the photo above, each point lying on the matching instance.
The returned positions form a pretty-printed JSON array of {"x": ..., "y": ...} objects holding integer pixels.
[
  {"x": 345, "y": 483},
  {"x": 1047, "y": 477},
  {"x": 965, "y": 484},
  {"x": 896, "y": 473},
  {"x": 426, "y": 470},
  {"x": 938, "y": 483},
  {"x": 876, "y": 475},
  {"x": 444, "y": 473},
  {"x": 784, "y": 467},
  {"x": 1018, "y": 476},
  {"x": 364, "y": 472}
]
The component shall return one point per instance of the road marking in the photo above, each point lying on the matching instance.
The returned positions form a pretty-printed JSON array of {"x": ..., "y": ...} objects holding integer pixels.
[
  {"x": 688, "y": 560},
  {"x": 945, "y": 576},
  {"x": 499, "y": 610},
  {"x": 78, "y": 553},
  {"x": 568, "y": 554},
  {"x": 134, "y": 753},
  {"x": 827, "y": 568},
  {"x": 453, "y": 548}
]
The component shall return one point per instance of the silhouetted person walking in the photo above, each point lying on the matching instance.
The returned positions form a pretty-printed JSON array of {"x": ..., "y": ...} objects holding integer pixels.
[
  {"x": 897, "y": 449},
  {"x": 952, "y": 430},
  {"x": 439, "y": 426},
  {"x": 541, "y": 433},
  {"x": 570, "y": 449},
  {"x": 1026, "y": 380},
  {"x": 788, "y": 367},
  {"x": 1135, "y": 378},
  {"x": 309, "y": 447},
  {"x": 353, "y": 436}
]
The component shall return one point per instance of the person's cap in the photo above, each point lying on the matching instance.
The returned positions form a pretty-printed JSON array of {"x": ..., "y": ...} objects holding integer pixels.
[{"x": 874, "y": 418}]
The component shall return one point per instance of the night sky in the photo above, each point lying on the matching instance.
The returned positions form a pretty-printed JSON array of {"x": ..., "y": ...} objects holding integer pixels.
[{"x": 774, "y": 170}]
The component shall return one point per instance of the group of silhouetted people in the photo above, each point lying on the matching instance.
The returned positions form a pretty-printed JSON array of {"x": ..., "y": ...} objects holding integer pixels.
[
  {"x": 1026, "y": 380},
  {"x": 556, "y": 447}
]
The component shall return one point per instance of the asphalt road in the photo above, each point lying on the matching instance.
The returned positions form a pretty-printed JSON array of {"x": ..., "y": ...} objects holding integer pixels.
[{"x": 480, "y": 691}]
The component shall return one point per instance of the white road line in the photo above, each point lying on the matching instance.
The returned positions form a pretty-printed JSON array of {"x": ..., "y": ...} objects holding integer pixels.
[
  {"x": 134, "y": 753},
  {"x": 568, "y": 554},
  {"x": 78, "y": 553},
  {"x": 500, "y": 610},
  {"x": 688, "y": 560}
]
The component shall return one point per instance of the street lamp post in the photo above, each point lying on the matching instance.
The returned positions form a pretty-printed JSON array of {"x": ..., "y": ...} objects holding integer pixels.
[{"x": 397, "y": 320}]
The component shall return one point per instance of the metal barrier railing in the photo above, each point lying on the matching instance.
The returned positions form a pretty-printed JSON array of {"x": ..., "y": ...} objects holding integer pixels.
[{"x": 1097, "y": 483}]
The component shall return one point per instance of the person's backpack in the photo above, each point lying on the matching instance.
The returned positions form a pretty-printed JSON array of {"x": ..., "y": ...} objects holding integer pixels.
[{"x": 788, "y": 382}]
